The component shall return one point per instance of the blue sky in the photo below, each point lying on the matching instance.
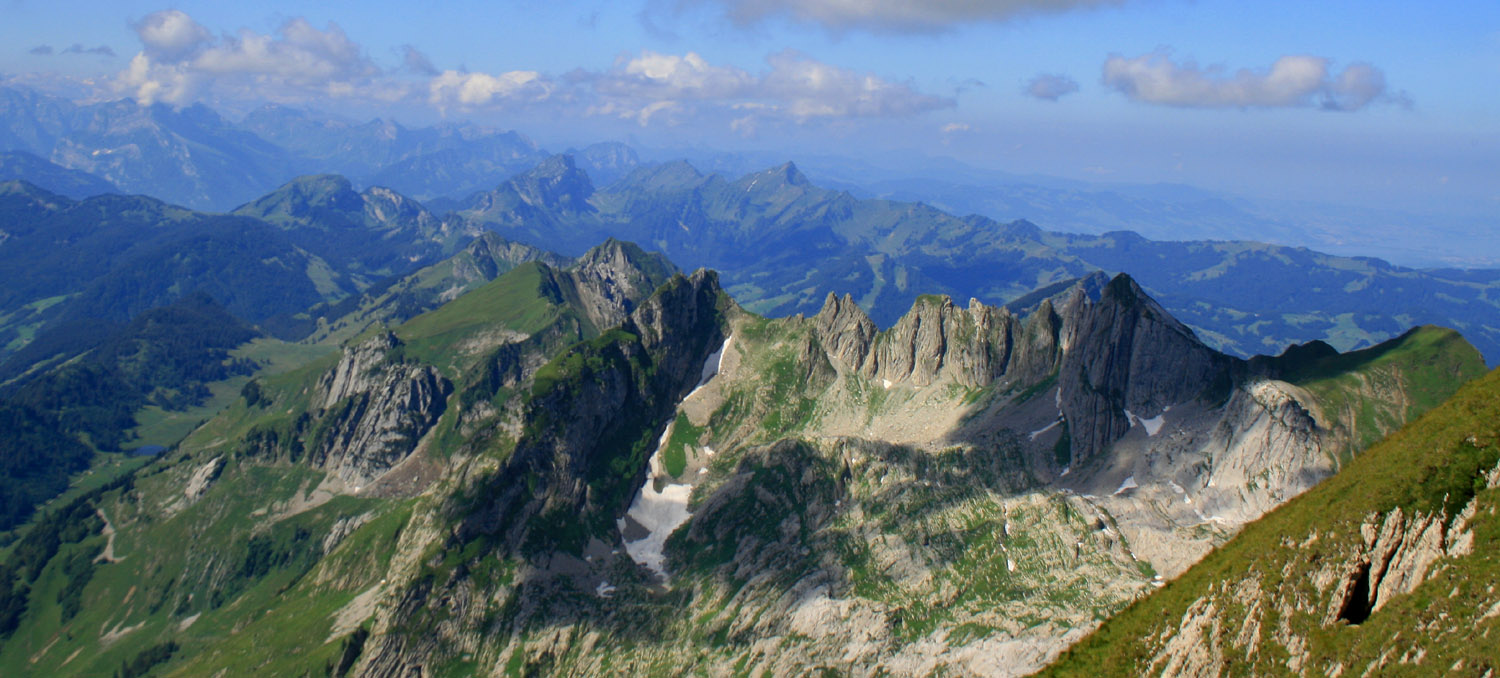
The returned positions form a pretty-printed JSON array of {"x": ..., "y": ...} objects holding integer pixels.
[{"x": 1226, "y": 95}]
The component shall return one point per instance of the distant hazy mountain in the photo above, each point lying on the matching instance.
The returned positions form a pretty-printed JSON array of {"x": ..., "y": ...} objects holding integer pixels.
[
  {"x": 1442, "y": 237},
  {"x": 194, "y": 157},
  {"x": 782, "y": 243},
  {"x": 25, "y": 166},
  {"x": 378, "y": 231},
  {"x": 188, "y": 156},
  {"x": 112, "y": 257}
]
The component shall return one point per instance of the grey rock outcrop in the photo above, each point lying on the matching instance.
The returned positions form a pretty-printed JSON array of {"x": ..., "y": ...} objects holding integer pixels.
[
  {"x": 935, "y": 340},
  {"x": 375, "y": 410},
  {"x": 612, "y": 278},
  {"x": 1111, "y": 346},
  {"x": 1124, "y": 352}
]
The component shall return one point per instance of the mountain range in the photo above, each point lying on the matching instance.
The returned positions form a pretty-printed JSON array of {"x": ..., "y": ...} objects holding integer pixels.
[
  {"x": 465, "y": 425},
  {"x": 605, "y": 466},
  {"x": 782, "y": 243}
]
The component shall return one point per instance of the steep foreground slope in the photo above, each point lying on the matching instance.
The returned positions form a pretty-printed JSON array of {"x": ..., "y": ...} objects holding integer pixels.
[
  {"x": 563, "y": 472},
  {"x": 1388, "y": 568}
]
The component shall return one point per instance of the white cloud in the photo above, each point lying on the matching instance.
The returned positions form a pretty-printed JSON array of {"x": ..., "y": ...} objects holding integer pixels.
[
  {"x": 453, "y": 89},
  {"x": 181, "y": 59},
  {"x": 655, "y": 76},
  {"x": 811, "y": 89},
  {"x": 796, "y": 87},
  {"x": 1292, "y": 81},
  {"x": 1051, "y": 87},
  {"x": 955, "y": 128},
  {"x": 897, "y": 16},
  {"x": 171, "y": 35}
]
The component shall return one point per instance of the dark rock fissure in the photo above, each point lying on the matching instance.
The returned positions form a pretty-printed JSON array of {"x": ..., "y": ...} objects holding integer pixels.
[{"x": 1358, "y": 603}]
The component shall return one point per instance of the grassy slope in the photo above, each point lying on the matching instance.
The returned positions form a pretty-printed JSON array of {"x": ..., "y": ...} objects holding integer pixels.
[
  {"x": 1371, "y": 392},
  {"x": 523, "y": 300},
  {"x": 274, "y": 620},
  {"x": 161, "y": 427},
  {"x": 1430, "y": 464}
]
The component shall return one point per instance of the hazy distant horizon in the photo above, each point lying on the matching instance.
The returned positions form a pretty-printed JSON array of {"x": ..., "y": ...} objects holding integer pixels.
[{"x": 1387, "y": 106}]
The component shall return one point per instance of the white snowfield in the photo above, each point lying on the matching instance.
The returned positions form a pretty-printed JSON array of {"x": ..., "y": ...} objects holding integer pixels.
[
  {"x": 1152, "y": 425},
  {"x": 711, "y": 366},
  {"x": 661, "y": 512}
]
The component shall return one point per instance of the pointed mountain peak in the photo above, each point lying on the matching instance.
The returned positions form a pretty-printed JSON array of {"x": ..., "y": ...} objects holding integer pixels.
[
  {"x": 622, "y": 256},
  {"x": 792, "y": 175},
  {"x": 556, "y": 181},
  {"x": 785, "y": 174},
  {"x": 557, "y": 165}
]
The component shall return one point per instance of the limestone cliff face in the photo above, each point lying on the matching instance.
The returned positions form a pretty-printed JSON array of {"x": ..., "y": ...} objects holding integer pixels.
[
  {"x": 1123, "y": 353},
  {"x": 612, "y": 278},
  {"x": 1265, "y": 449},
  {"x": 1114, "y": 350},
  {"x": 375, "y": 411},
  {"x": 934, "y": 341}
]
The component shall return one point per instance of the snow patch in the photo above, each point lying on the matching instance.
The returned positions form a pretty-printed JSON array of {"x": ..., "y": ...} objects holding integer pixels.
[
  {"x": 1010, "y": 565},
  {"x": 886, "y": 383},
  {"x": 659, "y": 512},
  {"x": 1065, "y": 471},
  {"x": 1046, "y": 428},
  {"x": 1152, "y": 425},
  {"x": 1127, "y": 484},
  {"x": 711, "y": 366},
  {"x": 604, "y": 590},
  {"x": 708, "y": 450}
]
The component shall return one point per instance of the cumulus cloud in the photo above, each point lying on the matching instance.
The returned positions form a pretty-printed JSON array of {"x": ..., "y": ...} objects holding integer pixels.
[
  {"x": 796, "y": 87},
  {"x": 1051, "y": 87},
  {"x": 180, "y": 58},
  {"x": 469, "y": 91},
  {"x": 897, "y": 16},
  {"x": 1292, "y": 81},
  {"x": 181, "y": 61}
]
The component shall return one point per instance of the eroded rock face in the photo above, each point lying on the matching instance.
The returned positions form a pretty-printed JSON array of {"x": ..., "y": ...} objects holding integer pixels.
[
  {"x": 1114, "y": 350},
  {"x": 375, "y": 410},
  {"x": 610, "y": 282},
  {"x": 1125, "y": 353},
  {"x": 620, "y": 394},
  {"x": 1265, "y": 450},
  {"x": 934, "y": 341}
]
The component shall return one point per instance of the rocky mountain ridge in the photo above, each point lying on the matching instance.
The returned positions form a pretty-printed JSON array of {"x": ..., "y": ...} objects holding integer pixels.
[
  {"x": 554, "y": 474},
  {"x": 782, "y": 243}
]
